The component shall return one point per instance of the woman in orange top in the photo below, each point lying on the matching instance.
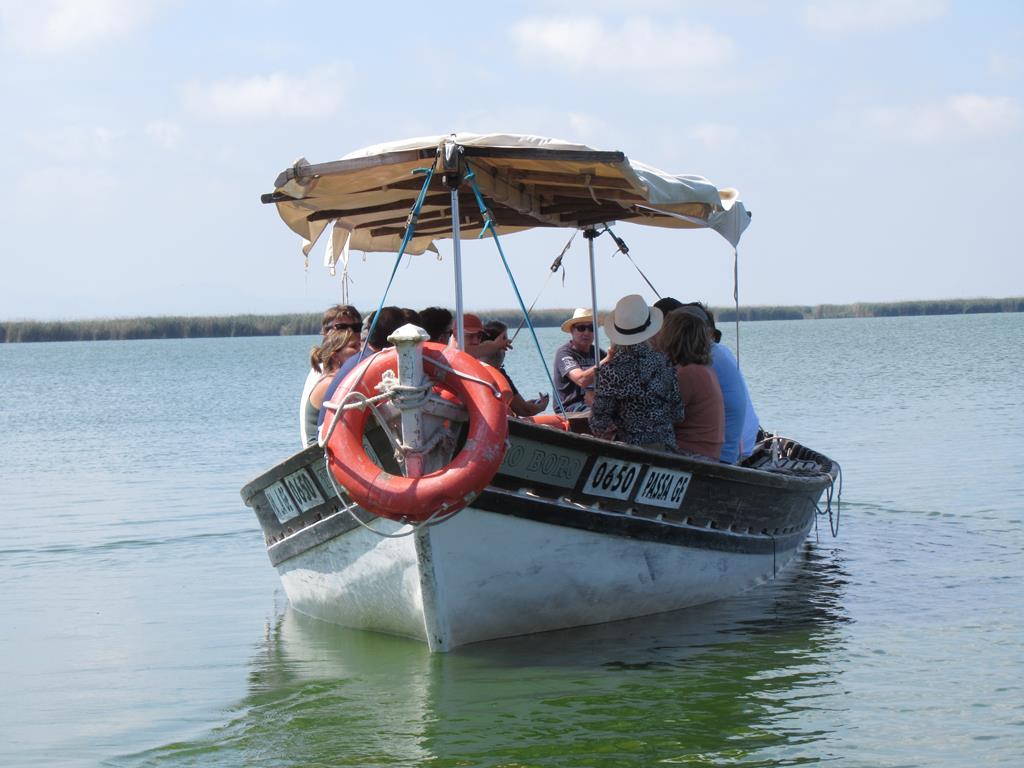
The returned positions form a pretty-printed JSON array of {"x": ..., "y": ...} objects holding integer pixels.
[{"x": 684, "y": 340}]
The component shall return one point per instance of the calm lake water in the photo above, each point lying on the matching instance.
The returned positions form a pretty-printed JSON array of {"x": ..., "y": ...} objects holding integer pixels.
[{"x": 142, "y": 624}]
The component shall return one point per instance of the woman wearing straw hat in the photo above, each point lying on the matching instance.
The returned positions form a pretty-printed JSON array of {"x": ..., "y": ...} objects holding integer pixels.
[
  {"x": 574, "y": 361},
  {"x": 637, "y": 399}
]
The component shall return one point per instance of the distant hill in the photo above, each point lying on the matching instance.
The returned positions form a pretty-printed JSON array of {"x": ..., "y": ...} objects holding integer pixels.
[{"x": 308, "y": 324}]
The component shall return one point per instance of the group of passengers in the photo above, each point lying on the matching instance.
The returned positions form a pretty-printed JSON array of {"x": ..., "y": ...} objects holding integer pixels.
[
  {"x": 343, "y": 332},
  {"x": 665, "y": 383}
]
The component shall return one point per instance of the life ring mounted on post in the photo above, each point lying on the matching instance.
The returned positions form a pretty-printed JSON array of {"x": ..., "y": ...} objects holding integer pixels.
[{"x": 445, "y": 491}]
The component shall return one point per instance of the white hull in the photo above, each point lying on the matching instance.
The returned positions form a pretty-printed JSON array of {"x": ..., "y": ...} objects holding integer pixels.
[{"x": 482, "y": 575}]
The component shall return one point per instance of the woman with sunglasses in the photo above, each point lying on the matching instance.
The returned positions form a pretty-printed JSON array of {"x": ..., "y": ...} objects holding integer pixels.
[
  {"x": 326, "y": 359},
  {"x": 340, "y": 317}
]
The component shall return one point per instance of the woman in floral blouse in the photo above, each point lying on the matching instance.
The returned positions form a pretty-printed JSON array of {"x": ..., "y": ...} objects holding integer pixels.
[{"x": 637, "y": 398}]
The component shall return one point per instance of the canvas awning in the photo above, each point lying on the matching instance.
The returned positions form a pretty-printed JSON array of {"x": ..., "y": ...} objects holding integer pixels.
[{"x": 526, "y": 182}]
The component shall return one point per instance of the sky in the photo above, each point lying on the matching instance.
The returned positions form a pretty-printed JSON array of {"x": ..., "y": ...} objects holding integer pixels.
[{"x": 879, "y": 145}]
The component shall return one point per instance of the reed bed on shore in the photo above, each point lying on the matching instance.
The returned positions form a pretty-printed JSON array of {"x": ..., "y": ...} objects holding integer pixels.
[{"x": 307, "y": 324}]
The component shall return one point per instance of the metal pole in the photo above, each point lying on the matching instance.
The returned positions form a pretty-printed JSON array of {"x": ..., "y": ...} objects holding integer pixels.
[
  {"x": 457, "y": 245},
  {"x": 452, "y": 163},
  {"x": 590, "y": 234},
  {"x": 736, "y": 298}
]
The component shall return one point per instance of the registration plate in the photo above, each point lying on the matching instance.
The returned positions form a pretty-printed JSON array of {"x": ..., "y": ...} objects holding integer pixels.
[
  {"x": 612, "y": 478},
  {"x": 281, "y": 502},
  {"x": 303, "y": 490},
  {"x": 322, "y": 474},
  {"x": 663, "y": 488},
  {"x": 294, "y": 494}
]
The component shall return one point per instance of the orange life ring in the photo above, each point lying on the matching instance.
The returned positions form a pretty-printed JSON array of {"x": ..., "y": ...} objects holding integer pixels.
[{"x": 444, "y": 491}]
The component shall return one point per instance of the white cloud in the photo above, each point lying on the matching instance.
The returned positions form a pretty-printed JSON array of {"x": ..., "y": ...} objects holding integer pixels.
[
  {"x": 74, "y": 142},
  {"x": 164, "y": 133},
  {"x": 278, "y": 95},
  {"x": 858, "y": 15},
  {"x": 585, "y": 127},
  {"x": 82, "y": 191},
  {"x": 1005, "y": 65},
  {"x": 55, "y": 26},
  {"x": 714, "y": 135},
  {"x": 964, "y": 115},
  {"x": 638, "y": 46}
]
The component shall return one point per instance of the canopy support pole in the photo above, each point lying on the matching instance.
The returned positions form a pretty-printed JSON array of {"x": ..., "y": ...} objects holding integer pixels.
[
  {"x": 452, "y": 164},
  {"x": 736, "y": 297},
  {"x": 590, "y": 233},
  {"x": 456, "y": 244}
]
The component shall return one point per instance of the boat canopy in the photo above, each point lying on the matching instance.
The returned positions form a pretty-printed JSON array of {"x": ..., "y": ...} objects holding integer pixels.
[{"x": 525, "y": 181}]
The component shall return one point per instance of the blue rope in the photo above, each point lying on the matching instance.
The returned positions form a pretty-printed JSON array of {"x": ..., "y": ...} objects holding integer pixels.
[
  {"x": 410, "y": 229},
  {"x": 489, "y": 227}
]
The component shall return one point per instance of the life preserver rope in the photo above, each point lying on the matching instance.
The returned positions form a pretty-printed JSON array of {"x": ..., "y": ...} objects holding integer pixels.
[{"x": 446, "y": 490}]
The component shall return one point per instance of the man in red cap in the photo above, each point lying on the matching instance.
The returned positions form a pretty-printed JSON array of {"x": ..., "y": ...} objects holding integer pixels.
[{"x": 477, "y": 344}]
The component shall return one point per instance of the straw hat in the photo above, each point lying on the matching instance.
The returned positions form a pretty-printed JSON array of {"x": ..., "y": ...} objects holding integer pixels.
[
  {"x": 632, "y": 321},
  {"x": 579, "y": 315}
]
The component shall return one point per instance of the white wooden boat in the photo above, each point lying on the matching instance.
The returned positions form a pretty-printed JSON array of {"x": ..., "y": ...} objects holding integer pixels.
[{"x": 555, "y": 528}]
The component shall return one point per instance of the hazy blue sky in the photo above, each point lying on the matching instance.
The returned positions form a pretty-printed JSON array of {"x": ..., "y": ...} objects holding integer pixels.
[{"x": 879, "y": 144}]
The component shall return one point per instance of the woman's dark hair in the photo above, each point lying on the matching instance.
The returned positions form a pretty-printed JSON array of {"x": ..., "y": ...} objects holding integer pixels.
[
  {"x": 666, "y": 304},
  {"x": 494, "y": 328},
  {"x": 716, "y": 334},
  {"x": 334, "y": 342},
  {"x": 685, "y": 339},
  {"x": 435, "y": 321},
  {"x": 390, "y": 320}
]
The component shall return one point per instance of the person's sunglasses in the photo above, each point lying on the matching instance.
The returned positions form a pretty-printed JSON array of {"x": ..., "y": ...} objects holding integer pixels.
[
  {"x": 583, "y": 328},
  {"x": 339, "y": 326}
]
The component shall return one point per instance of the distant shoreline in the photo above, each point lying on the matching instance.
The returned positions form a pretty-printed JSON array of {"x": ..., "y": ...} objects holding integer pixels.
[{"x": 308, "y": 324}]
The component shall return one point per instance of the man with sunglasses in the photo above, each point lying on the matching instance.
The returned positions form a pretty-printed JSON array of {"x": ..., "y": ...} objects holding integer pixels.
[
  {"x": 340, "y": 317},
  {"x": 574, "y": 368}
]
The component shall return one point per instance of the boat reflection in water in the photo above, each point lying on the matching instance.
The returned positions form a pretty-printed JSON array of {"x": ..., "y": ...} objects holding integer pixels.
[{"x": 728, "y": 681}]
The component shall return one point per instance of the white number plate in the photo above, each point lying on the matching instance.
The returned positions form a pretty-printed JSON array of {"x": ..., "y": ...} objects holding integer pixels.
[
  {"x": 612, "y": 478},
  {"x": 304, "y": 490},
  {"x": 320, "y": 470},
  {"x": 282, "y": 503},
  {"x": 663, "y": 488}
]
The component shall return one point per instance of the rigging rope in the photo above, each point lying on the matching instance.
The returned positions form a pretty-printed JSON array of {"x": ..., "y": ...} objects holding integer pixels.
[
  {"x": 624, "y": 249},
  {"x": 555, "y": 266},
  {"x": 410, "y": 229},
  {"x": 489, "y": 226}
]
